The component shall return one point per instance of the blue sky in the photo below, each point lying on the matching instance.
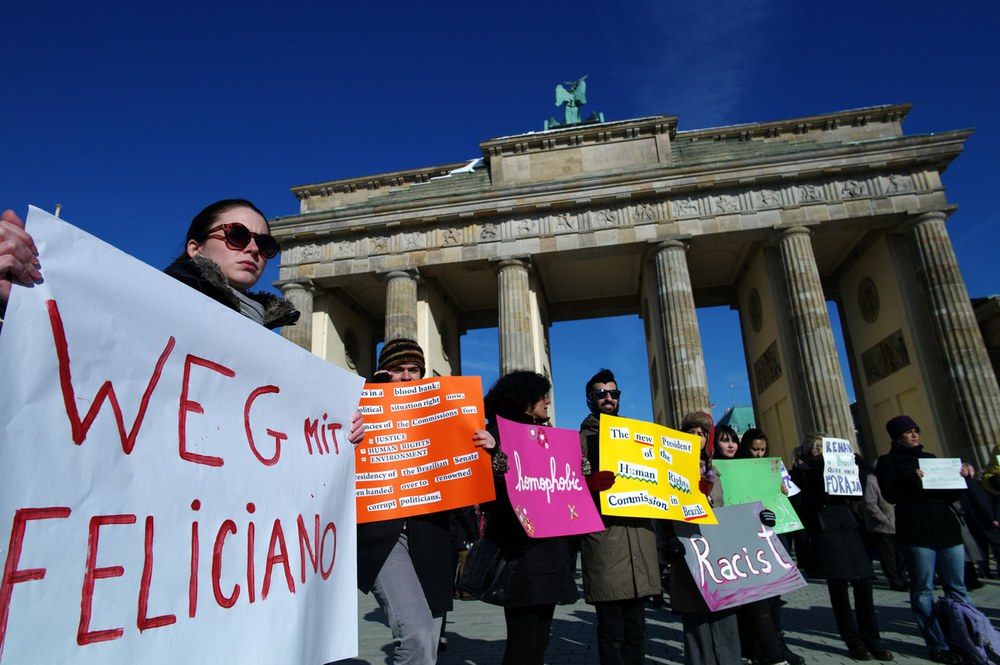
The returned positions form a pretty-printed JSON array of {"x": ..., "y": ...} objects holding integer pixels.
[{"x": 134, "y": 115}]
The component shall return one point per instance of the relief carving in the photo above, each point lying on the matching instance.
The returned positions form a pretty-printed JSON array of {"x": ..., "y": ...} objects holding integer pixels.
[
  {"x": 488, "y": 232},
  {"x": 767, "y": 369},
  {"x": 605, "y": 217},
  {"x": 379, "y": 244},
  {"x": 811, "y": 192},
  {"x": 854, "y": 189},
  {"x": 769, "y": 197},
  {"x": 566, "y": 222},
  {"x": 727, "y": 203},
  {"x": 885, "y": 358},
  {"x": 526, "y": 227},
  {"x": 645, "y": 213},
  {"x": 898, "y": 183},
  {"x": 685, "y": 207},
  {"x": 309, "y": 253},
  {"x": 452, "y": 236}
]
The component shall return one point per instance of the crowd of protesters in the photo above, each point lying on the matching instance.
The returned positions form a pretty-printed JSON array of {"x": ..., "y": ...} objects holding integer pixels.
[{"x": 409, "y": 564}]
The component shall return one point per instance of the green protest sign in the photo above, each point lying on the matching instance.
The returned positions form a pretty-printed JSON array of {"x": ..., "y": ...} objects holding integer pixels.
[{"x": 748, "y": 480}]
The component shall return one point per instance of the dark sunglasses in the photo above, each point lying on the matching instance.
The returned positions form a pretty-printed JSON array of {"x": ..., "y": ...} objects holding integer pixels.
[
  {"x": 601, "y": 393},
  {"x": 238, "y": 236}
]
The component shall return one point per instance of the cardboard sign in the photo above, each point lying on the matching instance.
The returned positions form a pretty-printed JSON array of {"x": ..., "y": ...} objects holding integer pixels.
[
  {"x": 841, "y": 476},
  {"x": 786, "y": 480},
  {"x": 752, "y": 480},
  {"x": 418, "y": 456},
  {"x": 178, "y": 484},
  {"x": 739, "y": 560},
  {"x": 942, "y": 474},
  {"x": 545, "y": 482},
  {"x": 656, "y": 471}
]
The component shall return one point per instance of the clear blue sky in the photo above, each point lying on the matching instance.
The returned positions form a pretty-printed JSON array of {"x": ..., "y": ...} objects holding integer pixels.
[{"x": 134, "y": 115}]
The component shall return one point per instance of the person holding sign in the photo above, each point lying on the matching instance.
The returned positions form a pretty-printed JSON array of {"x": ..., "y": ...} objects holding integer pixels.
[
  {"x": 620, "y": 568},
  {"x": 406, "y": 562},
  {"x": 544, "y": 568},
  {"x": 828, "y": 511},
  {"x": 18, "y": 256},
  {"x": 927, "y": 531}
]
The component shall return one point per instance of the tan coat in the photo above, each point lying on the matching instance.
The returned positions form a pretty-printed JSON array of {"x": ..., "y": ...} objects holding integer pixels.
[{"x": 619, "y": 563}]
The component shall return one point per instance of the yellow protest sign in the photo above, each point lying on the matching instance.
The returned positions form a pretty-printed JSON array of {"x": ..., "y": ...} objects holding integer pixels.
[{"x": 656, "y": 472}]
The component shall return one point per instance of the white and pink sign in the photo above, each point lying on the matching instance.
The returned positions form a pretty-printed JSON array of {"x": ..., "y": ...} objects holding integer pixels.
[{"x": 546, "y": 486}]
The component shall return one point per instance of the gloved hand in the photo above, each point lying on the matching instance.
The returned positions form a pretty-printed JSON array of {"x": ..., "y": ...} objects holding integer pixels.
[
  {"x": 600, "y": 481},
  {"x": 767, "y": 517},
  {"x": 672, "y": 548}
]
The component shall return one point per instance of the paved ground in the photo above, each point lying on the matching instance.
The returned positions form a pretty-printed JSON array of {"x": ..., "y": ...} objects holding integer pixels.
[{"x": 475, "y": 631}]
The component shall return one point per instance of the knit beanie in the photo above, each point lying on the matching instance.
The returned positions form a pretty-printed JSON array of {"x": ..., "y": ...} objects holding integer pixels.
[
  {"x": 896, "y": 426},
  {"x": 401, "y": 352}
]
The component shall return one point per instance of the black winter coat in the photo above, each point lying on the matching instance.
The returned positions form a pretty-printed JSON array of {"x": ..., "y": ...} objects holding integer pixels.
[
  {"x": 832, "y": 522},
  {"x": 923, "y": 517},
  {"x": 545, "y": 568}
]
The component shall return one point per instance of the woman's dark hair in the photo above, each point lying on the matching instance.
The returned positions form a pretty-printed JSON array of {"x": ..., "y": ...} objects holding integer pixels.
[
  {"x": 725, "y": 429},
  {"x": 749, "y": 436},
  {"x": 513, "y": 393},
  {"x": 207, "y": 218}
]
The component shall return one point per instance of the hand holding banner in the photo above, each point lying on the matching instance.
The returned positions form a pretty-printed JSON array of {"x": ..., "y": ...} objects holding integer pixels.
[
  {"x": 942, "y": 473},
  {"x": 178, "y": 483},
  {"x": 545, "y": 483},
  {"x": 752, "y": 480},
  {"x": 657, "y": 471},
  {"x": 418, "y": 456}
]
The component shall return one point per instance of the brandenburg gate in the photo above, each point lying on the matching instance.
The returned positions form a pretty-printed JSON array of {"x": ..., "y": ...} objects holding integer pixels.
[{"x": 634, "y": 217}]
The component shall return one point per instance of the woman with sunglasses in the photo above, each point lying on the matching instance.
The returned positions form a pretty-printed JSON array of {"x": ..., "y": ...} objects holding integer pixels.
[{"x": 225, "y": 251}]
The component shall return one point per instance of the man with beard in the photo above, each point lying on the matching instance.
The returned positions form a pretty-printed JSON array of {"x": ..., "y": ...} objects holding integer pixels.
[{"x": 620, "y": 568}]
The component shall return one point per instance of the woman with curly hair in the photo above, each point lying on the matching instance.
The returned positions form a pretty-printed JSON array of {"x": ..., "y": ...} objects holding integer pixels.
[{"x": 543, "y": 567}]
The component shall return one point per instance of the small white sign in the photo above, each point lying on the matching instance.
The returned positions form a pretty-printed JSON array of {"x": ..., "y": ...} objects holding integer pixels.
[{"x": 942, "y": 473}]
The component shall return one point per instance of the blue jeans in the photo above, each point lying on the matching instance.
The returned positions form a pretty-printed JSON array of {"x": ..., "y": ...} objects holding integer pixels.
[
  {"x": 921, "y": 562},
  {"x": 415, "y": 632}
]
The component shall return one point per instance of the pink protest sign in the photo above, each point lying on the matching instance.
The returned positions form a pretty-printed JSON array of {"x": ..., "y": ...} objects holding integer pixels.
[{"x": 545, "y": 483}]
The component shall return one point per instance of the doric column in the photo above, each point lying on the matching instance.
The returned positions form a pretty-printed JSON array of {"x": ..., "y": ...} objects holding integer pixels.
[
  {"x": 300, "y": 294},
  {"x": 825, "y": 396},
  {"x": 515, "y": 316},
  {"x": 684, "y": 366},
  {"x": 401, "y": 305},
  {"x": 972, "y": 384}
]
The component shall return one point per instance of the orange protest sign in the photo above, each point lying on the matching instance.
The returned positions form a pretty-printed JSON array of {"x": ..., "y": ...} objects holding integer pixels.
[{"x": 417, "y": 456}]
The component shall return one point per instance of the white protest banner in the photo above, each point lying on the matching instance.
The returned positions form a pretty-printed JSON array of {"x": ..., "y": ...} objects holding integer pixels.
[
  {"x": 791, "y": 489},
  {"x": 178, "y": 488},
  {"x": 942, "y": 474},
  {"x": 840, "y": 471}
]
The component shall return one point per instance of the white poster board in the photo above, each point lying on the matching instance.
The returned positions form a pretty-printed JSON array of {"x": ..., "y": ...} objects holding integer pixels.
[
  {"x": 942, "y": 473},
  {"x": 841, "y": 476},
  {"x": 176, "y": 490}
]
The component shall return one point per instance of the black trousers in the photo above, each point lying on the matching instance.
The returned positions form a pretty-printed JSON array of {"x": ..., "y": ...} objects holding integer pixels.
[
  {"x": 621, "y": 631},
  {"x": 893, "y": 566},
  {"x": 759, "y": 636},
  {"x": 527, "y": 634},
  {"x": 860, "y": 627}
]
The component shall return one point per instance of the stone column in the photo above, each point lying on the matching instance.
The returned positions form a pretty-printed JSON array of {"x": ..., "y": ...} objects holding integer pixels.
[
  {"x": 401, "y": 305},
  {"x": 300, "y": 293},
  {"x": 825, "y": 396},
  {"x": 971, "y": 382},
  {"x": 514, "y": 299},
  {"x": 684, "y": 366}
]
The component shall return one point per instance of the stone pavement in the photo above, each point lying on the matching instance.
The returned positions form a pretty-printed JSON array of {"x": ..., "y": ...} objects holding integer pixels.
[{"x": 475, "y": 630}]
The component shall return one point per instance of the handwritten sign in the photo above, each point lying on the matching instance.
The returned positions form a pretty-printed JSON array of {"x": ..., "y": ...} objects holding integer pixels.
[
  {"x": 786, "y": 480},
  {"x": 840, "y": 472},
  {"x": 545, "y": 483},
  {"x": 656, "y": 471},
  {"x": 752, "y": 480},
  {"x": 942, "y": 474},
  {"x": 418, "y": 456},
  {"x": 739, "y": 560},
  {"x": 168, "y": 493}
]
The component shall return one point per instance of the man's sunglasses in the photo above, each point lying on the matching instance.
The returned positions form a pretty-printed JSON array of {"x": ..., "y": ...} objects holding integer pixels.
[
  {"x": 601, "y": 393},
  {"x": 238, "y": 237}
]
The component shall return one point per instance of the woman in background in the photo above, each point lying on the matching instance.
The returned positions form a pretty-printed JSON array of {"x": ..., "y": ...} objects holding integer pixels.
[
  {"x": 837, "y": 547},
  {"x": 544, "y": 568}
]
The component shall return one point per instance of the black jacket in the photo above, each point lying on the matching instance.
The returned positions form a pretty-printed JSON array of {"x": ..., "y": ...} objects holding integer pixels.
[{"x": 923, "y": 517}]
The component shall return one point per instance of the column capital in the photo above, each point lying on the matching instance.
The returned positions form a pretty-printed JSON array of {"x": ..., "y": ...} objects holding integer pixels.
[
  {"x": 523, "y": 262},
  {"x": 306, "y": 285},
  {"x": 682, "y": 244},
  {"x": 401, "y": 273},
  {"x": 782, "y": 233}
]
